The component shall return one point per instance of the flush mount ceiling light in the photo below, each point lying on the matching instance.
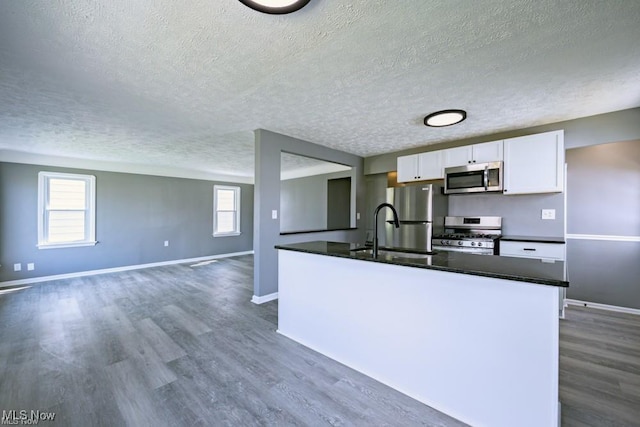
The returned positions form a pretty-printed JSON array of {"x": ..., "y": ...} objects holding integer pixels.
[
  {"x": 445, "y": 118},
  {"x": 275, "y": 7}
]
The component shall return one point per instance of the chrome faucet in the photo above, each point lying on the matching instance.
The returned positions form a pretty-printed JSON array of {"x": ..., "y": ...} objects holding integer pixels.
[{"x": 396, "y": 222}]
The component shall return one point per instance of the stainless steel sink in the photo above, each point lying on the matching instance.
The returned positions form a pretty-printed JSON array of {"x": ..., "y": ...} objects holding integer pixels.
[{"x": 391, "y": 253}]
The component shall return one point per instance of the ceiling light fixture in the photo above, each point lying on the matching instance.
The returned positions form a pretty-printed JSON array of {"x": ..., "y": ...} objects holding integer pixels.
[
  {"x": 275, "y": 7},
  {"x": 445, "y": 118}
]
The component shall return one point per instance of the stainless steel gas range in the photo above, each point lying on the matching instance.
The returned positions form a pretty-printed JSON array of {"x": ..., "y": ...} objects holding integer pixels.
[{"x": 472, "y": 234}]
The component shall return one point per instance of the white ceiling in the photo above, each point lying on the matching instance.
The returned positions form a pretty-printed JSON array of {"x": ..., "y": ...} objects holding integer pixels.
[{"x": 184, "y": 83}]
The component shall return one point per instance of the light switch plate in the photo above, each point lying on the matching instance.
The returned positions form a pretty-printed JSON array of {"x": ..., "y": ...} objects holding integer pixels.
[
  {"x": 17, "y": 267},
  {"x": 166, "y": 243},
  {"x": 31, "y": 266},
  {"x": 548, "y": 214},
  {"x": 274, "y": 214}
]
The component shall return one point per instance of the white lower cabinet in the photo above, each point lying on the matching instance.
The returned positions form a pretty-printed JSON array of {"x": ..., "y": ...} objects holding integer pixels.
[{"x": 537, "y": 250}]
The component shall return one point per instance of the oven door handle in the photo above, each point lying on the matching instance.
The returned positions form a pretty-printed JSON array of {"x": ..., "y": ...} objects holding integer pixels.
[{"x": 486, "y": 178}]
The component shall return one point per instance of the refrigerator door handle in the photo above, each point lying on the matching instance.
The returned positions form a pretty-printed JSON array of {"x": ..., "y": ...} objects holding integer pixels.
[{"x": 409, "y": 222}]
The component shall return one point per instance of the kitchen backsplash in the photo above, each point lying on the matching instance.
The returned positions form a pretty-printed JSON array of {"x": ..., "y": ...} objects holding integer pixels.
[{"x": 521, "y": 214}]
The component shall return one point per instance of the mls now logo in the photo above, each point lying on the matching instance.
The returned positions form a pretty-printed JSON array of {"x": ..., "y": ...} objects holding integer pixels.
[{"x": 24, "y": 417}]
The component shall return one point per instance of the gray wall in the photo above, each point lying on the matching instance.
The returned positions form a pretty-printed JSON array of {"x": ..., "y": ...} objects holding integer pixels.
[
  {"x": 604, "y": 272},
  {"x": 603, "y": 189},
  {"x": 521, "y": 214},
  {"x": 303, "y": 202},
  {"x": 268, "y": 148},
  {"x": 135, "y": 214},
  {"x": 376, "y": 193},
  {"x": 603, "y": 199}
]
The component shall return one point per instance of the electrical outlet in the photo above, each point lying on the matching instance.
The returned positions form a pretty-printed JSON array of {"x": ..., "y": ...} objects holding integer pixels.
[
  {"x": 548, "y": 214},
  {"x": 17, "y": 267},
  {"x": 274, "y": 214},
  {"x": 358, "y": 215},
  {"x": 166, "y": 243},
  {"x": 31, "y": 266}
]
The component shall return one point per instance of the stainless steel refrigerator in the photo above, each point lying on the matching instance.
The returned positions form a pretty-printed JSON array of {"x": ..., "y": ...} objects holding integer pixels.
[{"x": 421, "y": 210}]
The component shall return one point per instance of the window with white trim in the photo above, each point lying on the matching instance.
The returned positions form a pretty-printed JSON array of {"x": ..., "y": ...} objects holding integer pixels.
[
  {"x": 66, "y": 210},
  {"x": 226, "y": 210}
]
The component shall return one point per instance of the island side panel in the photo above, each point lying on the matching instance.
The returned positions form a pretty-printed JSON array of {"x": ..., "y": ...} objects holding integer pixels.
[{"x": 482, "y": 350}]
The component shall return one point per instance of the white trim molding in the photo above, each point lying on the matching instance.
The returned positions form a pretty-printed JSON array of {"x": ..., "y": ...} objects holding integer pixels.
[
  {"x": 609, "y": 238},
  {"x": 117, "y": 269},
  {"x": 602, "y": 306},
  {"x": 321, "y": 169},
  {"x": 265, "y": 298},
  {"x": 48, "y": 204},
  {"x": 236, "y": 210}
]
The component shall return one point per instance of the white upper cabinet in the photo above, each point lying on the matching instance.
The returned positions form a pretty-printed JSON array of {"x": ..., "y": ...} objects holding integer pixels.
[
  {"x": 488, "y": 152},
  {"x": 477, "y": 153},
  {"x": 534, "y": 163},
  {"x": 430, "y": 165},
  {"x": 408, "y": 168},
  {"x": 458, "y": 156},
  {"x": 419, "y": 167}
]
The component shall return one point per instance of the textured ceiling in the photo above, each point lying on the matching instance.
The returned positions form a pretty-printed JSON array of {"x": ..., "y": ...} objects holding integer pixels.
[{"x": 184, "y": 84}]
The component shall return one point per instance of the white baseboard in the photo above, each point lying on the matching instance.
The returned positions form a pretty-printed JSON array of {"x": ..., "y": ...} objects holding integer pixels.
[
  {"x": 602, "y": 306},
  {"x": 265, "y": 298},
  {"x": 116, "y": 269}
]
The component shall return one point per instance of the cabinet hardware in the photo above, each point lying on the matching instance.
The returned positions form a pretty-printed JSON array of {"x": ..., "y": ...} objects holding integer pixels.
[{"x": 529, "y": 249}]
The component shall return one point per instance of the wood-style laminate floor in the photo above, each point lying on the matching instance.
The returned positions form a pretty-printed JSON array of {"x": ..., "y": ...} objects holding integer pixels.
[
  {"x": 183, "y": 345},
  {"x": 177, "y": 346},
  {"x": 600, "y": 368}
]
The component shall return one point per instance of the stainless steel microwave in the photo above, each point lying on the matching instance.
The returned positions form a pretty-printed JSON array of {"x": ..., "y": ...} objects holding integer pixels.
[{"x": 473, "y": 178}]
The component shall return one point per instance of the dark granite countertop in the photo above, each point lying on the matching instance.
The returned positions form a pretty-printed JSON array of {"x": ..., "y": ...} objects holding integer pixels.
[
  {"x": 536, "y": 239},
  {"x": 509, "y": 268}
]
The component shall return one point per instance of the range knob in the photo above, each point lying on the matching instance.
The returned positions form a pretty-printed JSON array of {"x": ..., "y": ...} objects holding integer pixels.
[
  {"x": 460, "y": 243},
  {"x": 444, "y": 242},
  {"x": 473, "y": 243},
  {"x": 479, "y": 243}
]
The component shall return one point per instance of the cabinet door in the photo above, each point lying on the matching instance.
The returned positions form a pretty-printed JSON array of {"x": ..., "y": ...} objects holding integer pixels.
[
  {"x": 430, "y": 165},
  {"x": 488, "y": 152},
  {"x": 534, "y": 163},
  {"x": 408, "y": 168},
  {"x": 458, "y": 156}
]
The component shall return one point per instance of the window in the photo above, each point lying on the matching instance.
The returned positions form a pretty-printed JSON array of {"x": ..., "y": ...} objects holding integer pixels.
[
  {"x": 66, "y": 210},
  {"x": 226, "y": 210}
]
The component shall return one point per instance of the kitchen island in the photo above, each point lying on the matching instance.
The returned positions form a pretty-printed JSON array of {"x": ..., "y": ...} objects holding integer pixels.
[{"x": 473, "y": 336}]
